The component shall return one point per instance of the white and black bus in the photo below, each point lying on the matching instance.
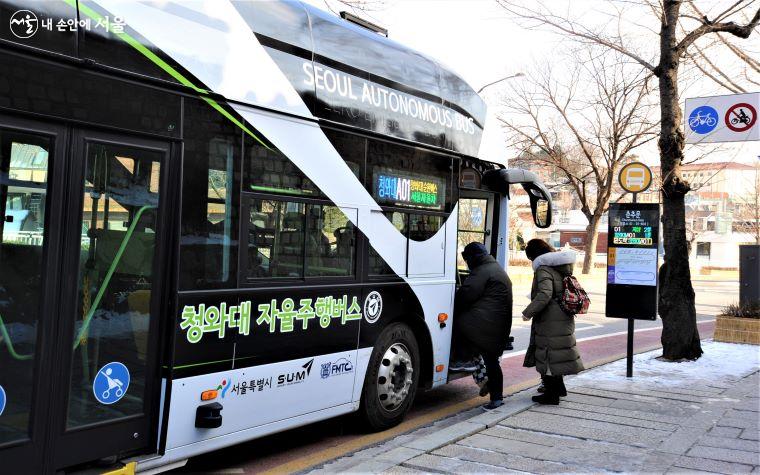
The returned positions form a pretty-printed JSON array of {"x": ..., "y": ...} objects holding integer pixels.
[{"x": 222, "y": 220}]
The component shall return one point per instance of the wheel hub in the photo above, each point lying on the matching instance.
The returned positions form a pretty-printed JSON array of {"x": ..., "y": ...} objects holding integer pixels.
[{"x": 394, "y": 377}]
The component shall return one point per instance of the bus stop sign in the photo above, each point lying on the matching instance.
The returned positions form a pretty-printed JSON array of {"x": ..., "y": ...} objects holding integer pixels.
[{"x": 632, "y": 260}]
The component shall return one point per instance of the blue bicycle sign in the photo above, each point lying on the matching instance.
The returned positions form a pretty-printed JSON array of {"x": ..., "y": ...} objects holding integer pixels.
[
  {"x": 703, "y": 120},
  {"x": 111, "y": 383}
]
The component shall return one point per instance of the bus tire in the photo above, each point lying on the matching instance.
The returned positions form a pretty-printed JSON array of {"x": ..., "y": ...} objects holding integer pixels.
[{"x": 392, "y": 378}]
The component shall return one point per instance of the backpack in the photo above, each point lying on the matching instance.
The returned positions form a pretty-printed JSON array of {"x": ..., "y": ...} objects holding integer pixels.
[{"x": 574, "y": 300}]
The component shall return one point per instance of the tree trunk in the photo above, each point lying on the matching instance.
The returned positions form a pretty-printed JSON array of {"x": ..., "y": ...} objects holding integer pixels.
[
  {"x": 591, "y": 239},
  {"x": 680, "y": 337}
]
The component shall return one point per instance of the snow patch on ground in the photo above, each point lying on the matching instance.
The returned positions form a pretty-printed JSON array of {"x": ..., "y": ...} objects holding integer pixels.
[{"x": 721, "y": 362}]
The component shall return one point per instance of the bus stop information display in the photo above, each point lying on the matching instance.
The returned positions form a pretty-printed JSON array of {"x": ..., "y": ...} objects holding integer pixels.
[{"x": 632, "y": 252}]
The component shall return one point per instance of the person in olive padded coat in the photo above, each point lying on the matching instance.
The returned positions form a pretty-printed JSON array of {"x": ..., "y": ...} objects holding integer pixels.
[
  {"x": 552, "y": 348},
  {"x": 483, "y": 316}
]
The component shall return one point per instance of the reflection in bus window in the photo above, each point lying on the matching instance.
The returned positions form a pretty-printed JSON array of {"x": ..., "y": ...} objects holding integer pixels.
[
  {"x": 269, "y": 171},
  {"x": 23, "y": 190},
  {"x": 276, "y": 239},
  {"x": 423, "y": 226},
  {"x": 208, "y": 245},
  {"x": 472, "y": 225},
  {"x": 331, "y": 242},
  {"x": 377, "y": 265}
]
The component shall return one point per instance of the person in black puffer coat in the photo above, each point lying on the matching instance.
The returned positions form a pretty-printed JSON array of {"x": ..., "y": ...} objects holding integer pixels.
[{"x": 483, "y": 315}]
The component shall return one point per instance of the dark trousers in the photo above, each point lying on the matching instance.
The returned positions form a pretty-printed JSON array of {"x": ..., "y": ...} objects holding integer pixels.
[
  {"x": 495, "y": 377},
  {"x": 463, "y": 349}
]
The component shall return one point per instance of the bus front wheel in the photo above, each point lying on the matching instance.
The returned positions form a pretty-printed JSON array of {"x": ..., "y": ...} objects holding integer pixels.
[{"x": 392, "y": 377}]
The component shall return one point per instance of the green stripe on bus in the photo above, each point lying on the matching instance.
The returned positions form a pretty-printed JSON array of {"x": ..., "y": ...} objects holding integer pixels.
[{"x": 127, "y": 38}]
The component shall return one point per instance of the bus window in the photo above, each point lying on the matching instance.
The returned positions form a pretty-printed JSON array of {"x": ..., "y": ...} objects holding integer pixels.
[
  {"x": 211, "y": 178},
  {"x": 275, "y": 239},
  {"x": 351, "y": 147},
  {"x": 377, "y": 265},
  {"x": 424, "y": 226},
  {"x": 23, "y": 191},
  {"x": 472, "y": 225},
  {"x": 269, "y": 171},
  {"x": 330, "y": 242}
]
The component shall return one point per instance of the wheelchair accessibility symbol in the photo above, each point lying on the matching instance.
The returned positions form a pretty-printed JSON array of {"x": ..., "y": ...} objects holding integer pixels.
[{"x": 111, "y": 383}]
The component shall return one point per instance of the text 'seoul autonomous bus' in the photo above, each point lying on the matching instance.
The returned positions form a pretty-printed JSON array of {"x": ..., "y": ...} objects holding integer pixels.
[{"x": 222, "y": 220}]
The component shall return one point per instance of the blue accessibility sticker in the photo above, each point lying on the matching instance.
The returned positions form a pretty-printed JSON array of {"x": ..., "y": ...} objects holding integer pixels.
[
  {"x": 703, "y": 120},
  {"x": 3, "y": 399},
  {"x": 111, "y": 383}
]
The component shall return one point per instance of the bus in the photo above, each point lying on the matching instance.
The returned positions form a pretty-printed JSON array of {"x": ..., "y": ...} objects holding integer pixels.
[{"x": 222, "y": 220}]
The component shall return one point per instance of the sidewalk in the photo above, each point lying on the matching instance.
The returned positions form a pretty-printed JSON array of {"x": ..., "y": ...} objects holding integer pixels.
[{"x": 670, "y": 418}]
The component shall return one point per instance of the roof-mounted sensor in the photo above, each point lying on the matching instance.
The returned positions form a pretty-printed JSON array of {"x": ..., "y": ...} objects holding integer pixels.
[{"x": 364, "y": 23}]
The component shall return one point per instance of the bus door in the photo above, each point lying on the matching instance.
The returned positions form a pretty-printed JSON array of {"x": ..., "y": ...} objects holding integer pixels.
[
  {"x": 477, "y": 221},
  {"x": 80, "y": 294}
]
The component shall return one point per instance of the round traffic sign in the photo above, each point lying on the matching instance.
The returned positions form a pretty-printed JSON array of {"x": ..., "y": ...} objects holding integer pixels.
[
  {"x": 703, "y": 120},
  {"x": 741, "y": 117},
  {"x": 635, "y": 177}
]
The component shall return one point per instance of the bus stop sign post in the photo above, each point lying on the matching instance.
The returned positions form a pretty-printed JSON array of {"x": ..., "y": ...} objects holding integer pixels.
[{"x": 632, "y": 255}]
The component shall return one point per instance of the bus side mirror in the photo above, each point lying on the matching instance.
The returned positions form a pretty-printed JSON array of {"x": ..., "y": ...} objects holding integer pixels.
[
  {"x": 540, "y": 206},
  {"x": 499, "y": 180}
]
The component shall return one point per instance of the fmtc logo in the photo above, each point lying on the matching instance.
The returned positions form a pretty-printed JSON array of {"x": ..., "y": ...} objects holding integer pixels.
[
  {"x": 24, "y": 24},
  {"x": 703, "y": 120},
  {"x": 334, "y": 368}
]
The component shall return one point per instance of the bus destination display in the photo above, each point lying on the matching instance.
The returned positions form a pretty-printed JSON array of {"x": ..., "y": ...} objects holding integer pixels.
[{"x": 396, "y": 189}]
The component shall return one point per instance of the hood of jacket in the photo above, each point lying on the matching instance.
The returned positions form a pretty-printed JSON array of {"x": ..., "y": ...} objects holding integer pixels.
[{"x": 563, "y": 261}]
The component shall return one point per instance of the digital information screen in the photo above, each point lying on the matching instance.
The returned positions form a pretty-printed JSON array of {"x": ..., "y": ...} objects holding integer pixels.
[
  {"x": 394, "y": 188},
  {"x": 632, "y": 260}
]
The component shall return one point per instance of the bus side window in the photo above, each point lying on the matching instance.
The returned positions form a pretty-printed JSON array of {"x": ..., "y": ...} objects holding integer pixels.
[
  {"x": 211, "y": 178},
  {"x": 377, "y": 265},
  {"x": 330, "y": 242},
  {"x": 275, "y": 239}
]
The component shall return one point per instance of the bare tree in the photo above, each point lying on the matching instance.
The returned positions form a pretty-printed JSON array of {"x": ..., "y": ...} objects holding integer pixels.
[
  {"x": 747, "y": 207},
  {"x": 680, "y": 337},
  {"x": 586, "y": 133}
]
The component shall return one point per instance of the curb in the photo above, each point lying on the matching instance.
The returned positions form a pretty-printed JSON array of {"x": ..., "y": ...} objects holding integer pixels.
[{"x": 513, "y": 404}]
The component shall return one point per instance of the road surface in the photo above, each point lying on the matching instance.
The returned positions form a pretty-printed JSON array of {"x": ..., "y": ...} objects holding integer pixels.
[{"x": 600, "y": 340}]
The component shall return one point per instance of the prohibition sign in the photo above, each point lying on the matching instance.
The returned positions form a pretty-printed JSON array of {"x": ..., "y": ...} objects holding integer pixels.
[{"x": 741, "y": 117}]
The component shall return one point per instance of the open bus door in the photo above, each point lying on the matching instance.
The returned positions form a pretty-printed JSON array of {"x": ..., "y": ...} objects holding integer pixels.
[{"x": 483, "y": 215}]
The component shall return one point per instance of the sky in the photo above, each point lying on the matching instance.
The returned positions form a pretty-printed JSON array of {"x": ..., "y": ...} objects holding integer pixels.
[{"x": 481, "y": 42}]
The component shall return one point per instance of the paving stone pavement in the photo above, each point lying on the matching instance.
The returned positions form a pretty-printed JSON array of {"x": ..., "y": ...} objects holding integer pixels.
[{"x": 631, "y": 426}]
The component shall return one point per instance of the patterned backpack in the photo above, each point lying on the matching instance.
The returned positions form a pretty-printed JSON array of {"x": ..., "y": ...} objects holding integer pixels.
[{"x": 574, "y": 300}]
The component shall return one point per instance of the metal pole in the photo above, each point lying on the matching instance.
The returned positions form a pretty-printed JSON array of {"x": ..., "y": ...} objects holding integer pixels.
[{"x": 629, "y": 352}]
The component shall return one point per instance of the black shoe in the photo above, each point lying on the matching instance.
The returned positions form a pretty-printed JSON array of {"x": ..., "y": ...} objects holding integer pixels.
[
  {"x": 547, "y": 399},
  {"x": 463, "y": 366},
  {"x": 493, "y": 405},
  {"x": 541, "y": 389}
]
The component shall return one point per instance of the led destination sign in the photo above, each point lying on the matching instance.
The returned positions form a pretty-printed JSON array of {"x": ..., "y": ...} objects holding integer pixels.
[
  {"x": 408, "y": 191},
  {"x": 633, "y": 228}
]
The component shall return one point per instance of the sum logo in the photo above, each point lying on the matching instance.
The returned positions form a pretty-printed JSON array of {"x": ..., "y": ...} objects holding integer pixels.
[
  {"x": 334, "y": 368},
  {"x": 295, "y": 377}
]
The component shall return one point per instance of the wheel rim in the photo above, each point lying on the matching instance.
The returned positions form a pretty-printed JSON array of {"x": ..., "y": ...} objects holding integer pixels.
[{"x": 394, "y": 378}]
